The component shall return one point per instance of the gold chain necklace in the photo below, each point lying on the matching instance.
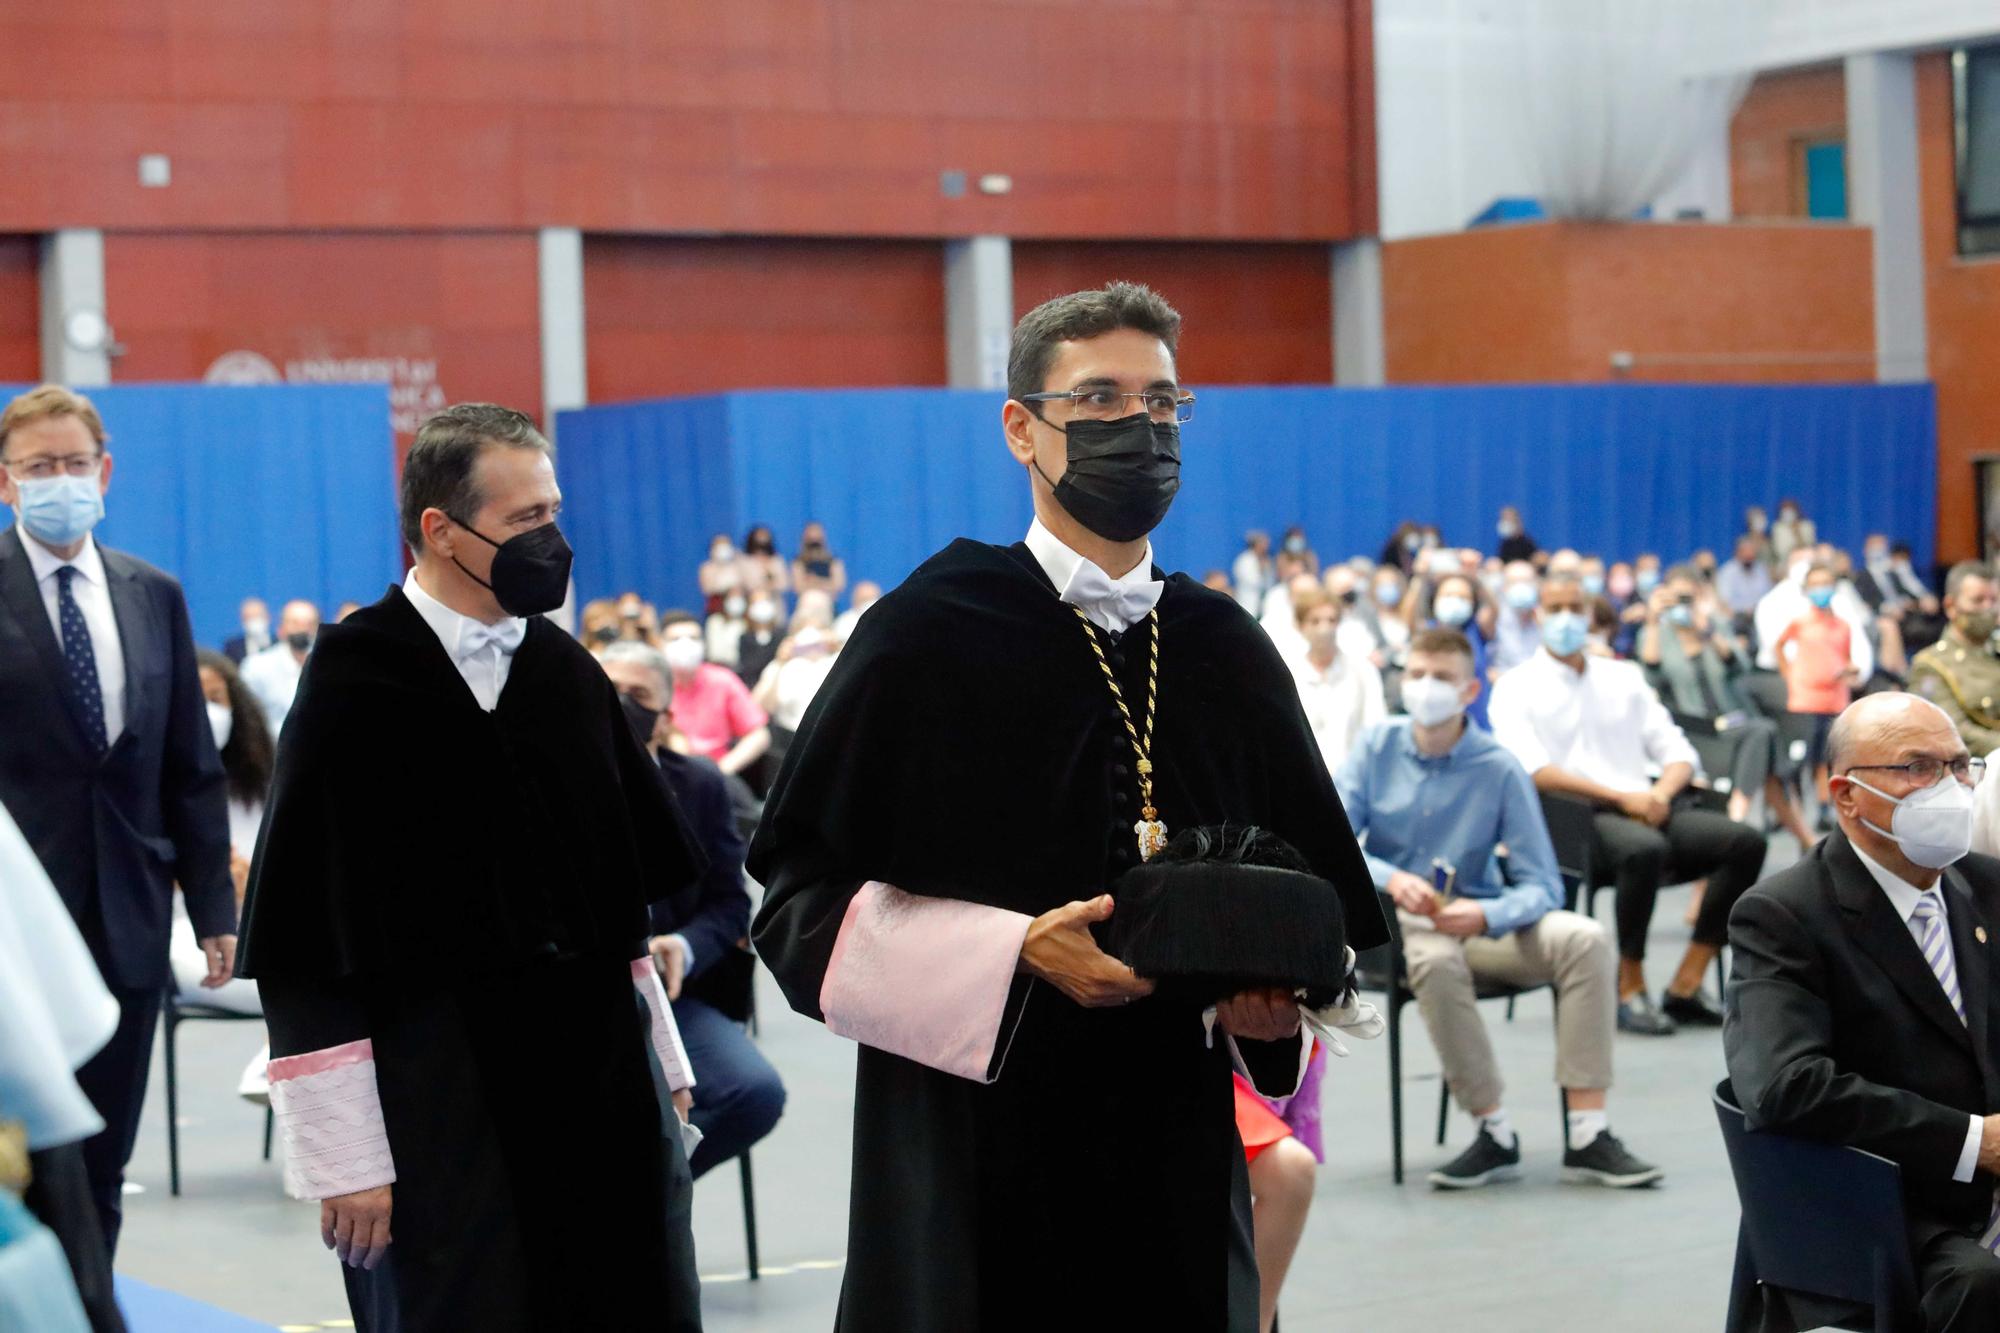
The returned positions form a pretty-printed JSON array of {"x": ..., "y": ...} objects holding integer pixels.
[{"x": 1151, "y": 832}]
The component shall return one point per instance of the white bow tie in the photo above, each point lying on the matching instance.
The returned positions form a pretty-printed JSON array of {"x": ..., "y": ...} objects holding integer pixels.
[
  {"x": 475, "y": 638},
  {"x": 1111, "y": 603}
]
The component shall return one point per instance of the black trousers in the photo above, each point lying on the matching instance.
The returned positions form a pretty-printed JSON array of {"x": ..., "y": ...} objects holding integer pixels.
[
  {"x": 59, "y": 1195},
  {"x": 115, "y": 1081},
  {"x": 1695, "y": 843},
  {"x": 1958, "y": 1285}
]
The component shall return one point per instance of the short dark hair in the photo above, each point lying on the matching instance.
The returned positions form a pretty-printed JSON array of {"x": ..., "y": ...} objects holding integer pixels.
[
  {"x": 1954, "y": 582},
  {"x": 669, "y": 619},
  {"x": 1441, "y": 639},
  {"x": 438, "y": 472},
  {"x": 1091, "y": 314}
]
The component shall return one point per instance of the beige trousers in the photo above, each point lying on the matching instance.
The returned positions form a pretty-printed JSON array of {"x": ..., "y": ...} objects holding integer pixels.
[{"x": 1570, "y": 950}]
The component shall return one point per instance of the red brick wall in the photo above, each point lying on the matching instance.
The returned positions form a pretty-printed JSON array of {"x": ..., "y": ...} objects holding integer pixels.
[
  {"x": 20, "y": 310},
  {"x": 672, "y": 316},
  {"x": 1780, "y": 110}
]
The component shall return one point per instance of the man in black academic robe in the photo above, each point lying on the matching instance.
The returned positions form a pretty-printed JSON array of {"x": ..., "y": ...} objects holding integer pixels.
[
  {"x": 1038, "y": 1142},
  {"x": 447, "y": 918}
]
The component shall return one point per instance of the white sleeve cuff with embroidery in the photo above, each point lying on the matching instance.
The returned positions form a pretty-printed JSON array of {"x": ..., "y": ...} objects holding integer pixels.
[
  {"x": 329, "y": 1118},
  {"x": 924, "y": 978}
]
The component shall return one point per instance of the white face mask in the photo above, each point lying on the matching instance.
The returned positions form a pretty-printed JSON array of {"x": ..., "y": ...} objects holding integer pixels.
[
  {"x": 1932, "y": 826},
  {"x": 221, "y": 721},
  {"x": 1431, "y": 701},
  {"x": 763, "y": 613},
  {"x": 258, "y": 630},
  {"x": 683, "y": 654}
]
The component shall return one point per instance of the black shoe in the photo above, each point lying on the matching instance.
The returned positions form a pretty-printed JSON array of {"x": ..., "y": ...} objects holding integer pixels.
[
  {"x": 1638, "y": 1015},
  {"x": 1482, "y": 1164},
  {"x": 1698, "y": 1010},
  {"x": 1604, "y": 1161}
]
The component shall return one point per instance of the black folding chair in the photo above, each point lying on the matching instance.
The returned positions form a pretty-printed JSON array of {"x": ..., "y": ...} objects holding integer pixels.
[
  {"x": 1822, "y": 1235},
  {"x": 173, "y": 1013},
  {"x": 1383, "y": 969},
  {"x": 730, "y": 987}
]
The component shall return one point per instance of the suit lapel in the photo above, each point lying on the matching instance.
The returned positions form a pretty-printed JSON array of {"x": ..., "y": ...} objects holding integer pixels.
[
  {"x": 24, "y": 599},
  {"x": 135, "y": 640},
  {"x": 1975, "y": 972},
  {"x": 1872, "y": 921}
]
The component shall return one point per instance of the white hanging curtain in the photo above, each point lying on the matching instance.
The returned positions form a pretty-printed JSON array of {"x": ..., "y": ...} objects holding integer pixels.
[{"x": 1615, "y": 95}]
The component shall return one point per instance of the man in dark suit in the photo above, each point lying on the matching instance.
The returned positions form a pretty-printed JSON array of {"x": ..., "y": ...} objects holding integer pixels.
[
  {"x": 1864, "y": 1007},
  {"x": 108, "y": 764},
  {"x": 255, "y": 617}
]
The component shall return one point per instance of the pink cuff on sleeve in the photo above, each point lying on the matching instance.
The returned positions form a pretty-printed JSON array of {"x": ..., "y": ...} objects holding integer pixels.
[
  {"x": 923, "y": 978},
  {"x": 664, "y": 1032},
  {"x": 330, "y": 1119}
]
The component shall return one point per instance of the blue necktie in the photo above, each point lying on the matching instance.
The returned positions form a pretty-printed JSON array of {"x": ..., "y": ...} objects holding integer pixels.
[{"x": 80, "y": 662}]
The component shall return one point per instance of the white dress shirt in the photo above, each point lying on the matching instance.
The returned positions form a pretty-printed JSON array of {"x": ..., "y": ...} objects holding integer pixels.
[
  {"x": 1903, "y": 895},
  {"x": 1339, "y": 702},
  {"x": 1112, "y": 604},
  {"x": 482, "y": 653},
  {"x": 1603, "y": 723},
  {"x": 273, "y": 676},
  {"x": 93, "y": 598}
]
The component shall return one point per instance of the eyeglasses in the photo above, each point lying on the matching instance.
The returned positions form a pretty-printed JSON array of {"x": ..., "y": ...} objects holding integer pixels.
[
  {"x": 41, "y": 469},
  {"x": 1101, "y": 403},
  {"x": 1926, "y": 772}
]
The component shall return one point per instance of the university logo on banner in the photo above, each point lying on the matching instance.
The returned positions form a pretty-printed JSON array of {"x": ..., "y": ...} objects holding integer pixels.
[{"x": 414, "y": 392}]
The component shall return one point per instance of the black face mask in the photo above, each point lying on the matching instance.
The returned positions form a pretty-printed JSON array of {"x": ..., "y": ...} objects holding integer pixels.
[
  {"x": 530, "y": 571},
  {"x": 1122, "y": 475},
  {"x": 604, "y": 634},
  {"x": 299, "y": 640},
  {"x": 642, "y": 718}
]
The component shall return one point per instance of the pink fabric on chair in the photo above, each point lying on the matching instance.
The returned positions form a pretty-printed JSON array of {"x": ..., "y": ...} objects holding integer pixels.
[
  {"x": 329, "y": 1118},
  {"x": 923, "y": 978}
]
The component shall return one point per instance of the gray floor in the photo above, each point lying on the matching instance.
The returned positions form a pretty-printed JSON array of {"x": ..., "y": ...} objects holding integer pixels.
[{"x": 1530, "y": 1255}]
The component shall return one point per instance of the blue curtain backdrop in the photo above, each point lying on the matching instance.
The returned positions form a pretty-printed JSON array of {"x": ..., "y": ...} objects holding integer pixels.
[
  {"x": 895, "y": 474},
  {"x": 279, "y": 491}
]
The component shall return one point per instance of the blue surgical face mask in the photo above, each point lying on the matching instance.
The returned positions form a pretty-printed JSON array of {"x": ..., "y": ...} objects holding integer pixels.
[
  {"x": 1680, "y": 614},
  {"x": 1820, "y": 597},
  {"x": 1453, "y": 611},
  {"x": 1388, "y": 594},
  {"x": 1646, "y": 580},
  {"x": 1521, "y": 596},
  {"x": 1593, "y": 584},
  {"x": 61, "y": 510},
  {"x": 1565, "y": 632}
]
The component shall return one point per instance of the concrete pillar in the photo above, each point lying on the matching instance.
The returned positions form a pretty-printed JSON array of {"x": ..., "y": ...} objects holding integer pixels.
[
  {"x": 76, "y": 337},
  {"x": 565, "y": 382},
  {"x": 1882, "y": 193},
  {"x": 1359, "y": 357},
  {"x": 978, "y": 311}
]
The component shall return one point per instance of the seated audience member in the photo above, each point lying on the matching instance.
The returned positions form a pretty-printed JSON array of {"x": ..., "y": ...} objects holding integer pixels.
[
  {"x": 1923, "y": 618},
  {"x": 816, "y": 568},
  {"x": 1691, "y": 660},
  {"x": 1218, "y": 581},
  {"x": 599, "y": 623},
  {"x": 1742, "y": 583},
  {"x": 1281, "y": 621},
  {"x": 1646, "y": 576},
  {"x": 866, "y": 594},
  {"x": 242, "y": 737},
  {"x": 710, "y": 705},
  {"x": 1517, "y": 630},
  {"x": 1282, "y": 1172},
  {"x": 1816, "y": 657},
  {"x": 1459, "y": 602},
  {"x": 764, "y": 570},
  {"x": 1861, "y": 988},
  {"x": 1515, "y": 543},
  {"x": 1590, "y": 573},
  {"x": 1427, "y": 791},
  {"x": 1792, "y": 532},
  {"x": 1564, "y": 563},
  {"x": 1341, "y": 693},
  {"x": 1301, "y": 552},
  {"x": 1253, "y": 572},
  {"x": 739, "y": 1096},
  {"x": 1591, "y": 728},
  {"x": 757, "y": 646},
  {"x": 815, "y": 607},
  {"x": 1400, "y": 551},
  {"x": 1757, "y": 527},
  {"x": 1343, "y": 584},
  {"x": 254, "y": 617},
  {"x": 1604, "y": 627},
  {"x": 721, "y": 574},
  {"x": 1960, "y": 673},
  {"x": 788, "y": 685},
  {"x": 723, "y": 632},
  {"x": 273, "y": 675},
  {"x": 638, "y": 620},
  {"x": 344, "y": 610},
  {"x": 1702, "y": 562},
  {"x": 1786, "y": 602}
]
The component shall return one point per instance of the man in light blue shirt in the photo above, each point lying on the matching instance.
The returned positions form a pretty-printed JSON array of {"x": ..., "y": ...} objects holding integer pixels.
[{"x": 1431, "y": 799}]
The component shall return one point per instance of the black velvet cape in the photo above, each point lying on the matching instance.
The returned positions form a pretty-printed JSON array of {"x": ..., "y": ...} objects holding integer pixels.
[
  {"x": 966, "y": 745},
  {"x": 466, "y": 890}
]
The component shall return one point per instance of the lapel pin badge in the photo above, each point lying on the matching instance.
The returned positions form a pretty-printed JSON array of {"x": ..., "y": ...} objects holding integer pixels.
[{"x": 1979, "y": 933}]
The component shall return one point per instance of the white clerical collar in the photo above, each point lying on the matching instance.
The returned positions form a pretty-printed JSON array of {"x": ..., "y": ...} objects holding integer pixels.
[
  {"x": 1113, "y": 604},
  {"x": 451, "y": 626},
  {"x": 1902, "y": 894},
  {"x": 45, "y": 562}
]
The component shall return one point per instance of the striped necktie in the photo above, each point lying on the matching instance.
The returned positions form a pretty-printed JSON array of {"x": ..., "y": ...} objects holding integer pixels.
[{"x": 1935, "y": 941}]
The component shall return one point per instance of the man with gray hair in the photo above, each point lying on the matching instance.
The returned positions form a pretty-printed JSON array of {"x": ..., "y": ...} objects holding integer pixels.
[{"x": 1862, "y": 1004}]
